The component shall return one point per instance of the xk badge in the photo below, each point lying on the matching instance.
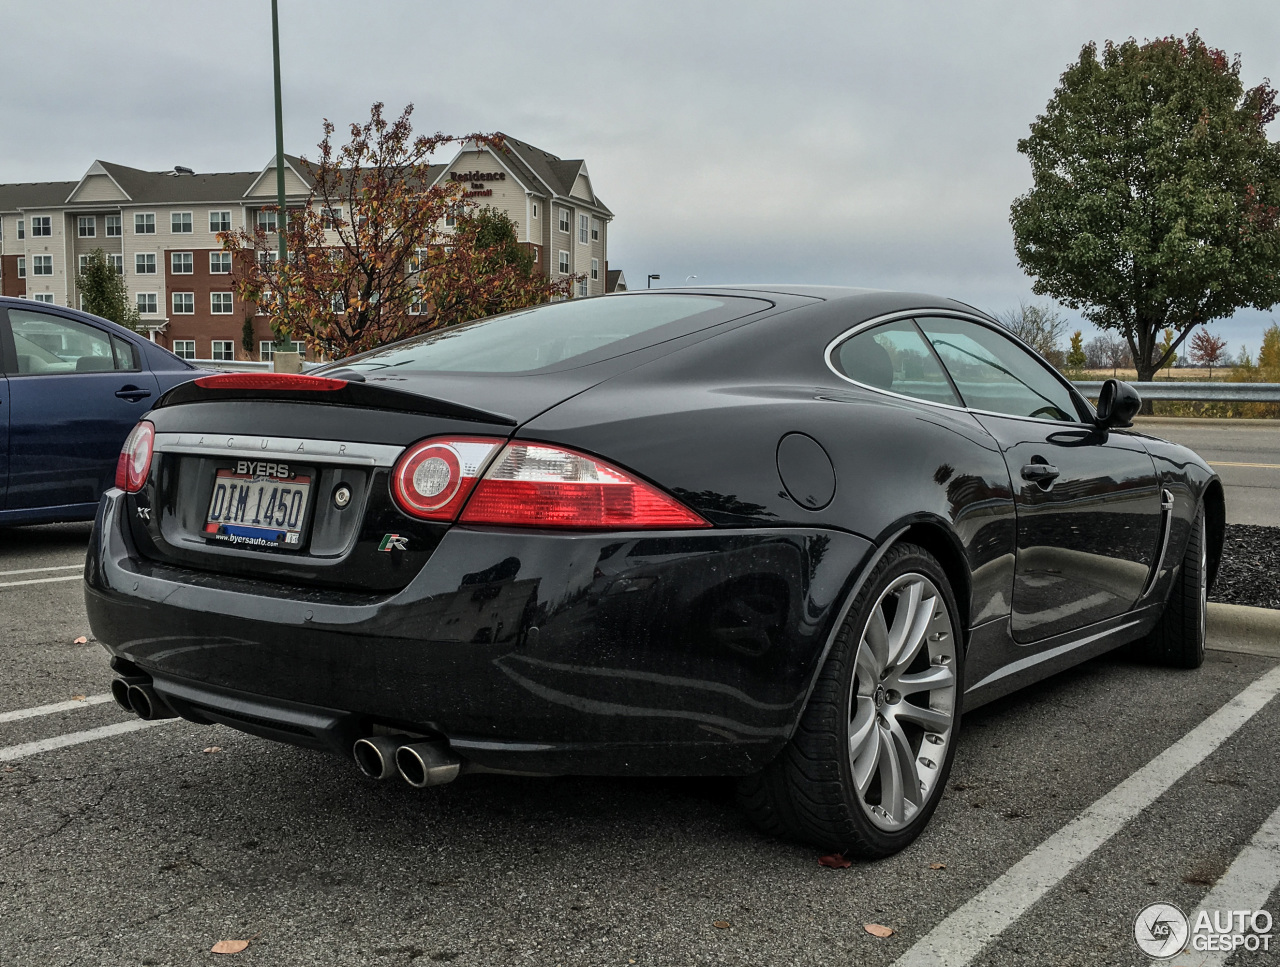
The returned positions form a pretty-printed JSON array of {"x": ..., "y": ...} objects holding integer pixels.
[
  {"x": 144, "y": 513},
  {"x": 393, "y": 542}
]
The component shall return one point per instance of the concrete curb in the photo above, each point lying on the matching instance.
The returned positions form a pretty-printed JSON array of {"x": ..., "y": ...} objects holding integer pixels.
[{"x": 1243, "y": 630}]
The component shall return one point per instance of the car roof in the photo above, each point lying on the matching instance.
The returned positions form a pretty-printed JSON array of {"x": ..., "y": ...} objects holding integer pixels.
[
  {"x": 876, "y": 300},
  {"x": 14, "y": 302}
]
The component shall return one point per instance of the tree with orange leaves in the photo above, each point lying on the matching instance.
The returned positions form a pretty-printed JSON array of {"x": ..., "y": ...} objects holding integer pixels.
[{"x": 371, "y": 259}]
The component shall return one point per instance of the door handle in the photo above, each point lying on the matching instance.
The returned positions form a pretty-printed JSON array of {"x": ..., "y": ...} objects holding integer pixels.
[
  {"x": 1040, "y": 472},
  {"x": 132, "y": 393}
]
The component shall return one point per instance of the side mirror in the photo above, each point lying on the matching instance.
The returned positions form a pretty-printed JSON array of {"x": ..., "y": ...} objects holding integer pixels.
[{"x": 1118, "y": 404}]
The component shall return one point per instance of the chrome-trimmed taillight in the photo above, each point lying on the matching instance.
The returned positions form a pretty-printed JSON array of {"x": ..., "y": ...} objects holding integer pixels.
[{"x": 134, "y": 462}]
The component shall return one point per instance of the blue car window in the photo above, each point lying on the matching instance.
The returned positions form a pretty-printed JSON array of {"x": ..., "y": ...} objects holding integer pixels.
[{"x": 47, "y": 344}]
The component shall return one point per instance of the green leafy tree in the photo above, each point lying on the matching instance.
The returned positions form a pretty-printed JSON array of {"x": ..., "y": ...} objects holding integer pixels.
[
  {"x": 104, "y": 291},
  {"x": 1076, "y": 358},
  {"x": 1269, "y": 354},
  {"x": 1156, "y": 196}
]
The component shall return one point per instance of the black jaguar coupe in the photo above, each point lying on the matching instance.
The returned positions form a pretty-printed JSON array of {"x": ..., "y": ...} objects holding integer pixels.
[{"x": 786, "y": 534}]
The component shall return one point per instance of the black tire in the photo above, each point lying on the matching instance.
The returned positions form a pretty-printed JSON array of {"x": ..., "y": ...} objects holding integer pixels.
[
  {"x": 809, "y": 793},
  {"x": 1178, "y": 638}
]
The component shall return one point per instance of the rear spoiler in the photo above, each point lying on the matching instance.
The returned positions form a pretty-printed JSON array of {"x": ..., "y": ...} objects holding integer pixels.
[{"x": 324, "y": 390}]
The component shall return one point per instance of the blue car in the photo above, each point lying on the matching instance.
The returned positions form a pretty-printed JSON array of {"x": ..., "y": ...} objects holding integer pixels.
[{"x": 72, "y": 387}]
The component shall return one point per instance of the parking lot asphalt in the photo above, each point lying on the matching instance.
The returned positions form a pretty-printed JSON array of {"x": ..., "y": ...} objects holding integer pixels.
[
  {"x": 1071, "y": 807},
  {"x": 1246, "y": 455}
]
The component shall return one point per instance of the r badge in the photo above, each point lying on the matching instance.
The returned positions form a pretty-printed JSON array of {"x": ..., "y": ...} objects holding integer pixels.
[{"x": 393, "y": 542}]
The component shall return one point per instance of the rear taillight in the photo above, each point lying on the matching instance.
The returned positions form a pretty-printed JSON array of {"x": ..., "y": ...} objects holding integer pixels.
[
  {"x": 533, "y": 485},
  {"x": 135, "y": 458},
  {"x": 271, "y": 381},
  {"x": 433, "y": 479}
]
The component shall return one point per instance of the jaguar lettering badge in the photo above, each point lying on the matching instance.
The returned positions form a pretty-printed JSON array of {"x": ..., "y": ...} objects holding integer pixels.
[{"x": 259, "y": 469}]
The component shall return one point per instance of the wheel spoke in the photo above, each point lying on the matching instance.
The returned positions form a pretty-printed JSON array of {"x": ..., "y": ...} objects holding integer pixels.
[
  {"x": 876, "y": 641},
  {"x": 936, "y": 676},
  {"x": 930, "y": 719},
  {"x": 867, "y": 670},
  {"x": 891, "y": 792},
  {"x": 862, "y": 727},
  {"x": 916, "y": 633},
  {"x": 906, "y": 764},
  {"x": 868, "y": 761}
]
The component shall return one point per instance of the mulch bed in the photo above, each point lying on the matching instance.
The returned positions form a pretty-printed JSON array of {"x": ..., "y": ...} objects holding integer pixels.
[{"x": 1250, "y": 569}]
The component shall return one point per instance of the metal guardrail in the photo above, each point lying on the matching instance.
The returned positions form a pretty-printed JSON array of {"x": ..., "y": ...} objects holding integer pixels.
[{"x": 1194, "y": 392}]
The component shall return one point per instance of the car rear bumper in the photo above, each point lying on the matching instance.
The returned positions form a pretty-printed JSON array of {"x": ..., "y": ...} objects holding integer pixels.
[{"x": 637, "y": 653}]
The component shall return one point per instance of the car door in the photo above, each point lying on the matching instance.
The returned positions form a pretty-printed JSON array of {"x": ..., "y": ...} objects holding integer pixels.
[
  {"x": 4, "y": 431},
  {"x": 1088, "y": 502},
  {"x": 75, "y": 390}
]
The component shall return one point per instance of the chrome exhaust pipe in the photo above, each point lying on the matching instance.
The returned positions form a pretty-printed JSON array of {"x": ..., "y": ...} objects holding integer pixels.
[
  {"x": 423, "y": 764},
  {"x": 120, "y": 690},
  {"x": 376, "y": 754},
  {"x": 149, "y": 706}
]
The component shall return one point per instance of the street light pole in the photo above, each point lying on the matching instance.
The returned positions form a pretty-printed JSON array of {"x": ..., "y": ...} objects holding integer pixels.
[
  {"x": 649, "y": 283},
  {"x": 280, "y": 217}
]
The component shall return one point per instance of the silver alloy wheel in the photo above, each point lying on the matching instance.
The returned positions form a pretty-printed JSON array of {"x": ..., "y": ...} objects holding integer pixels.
[{"x": 902, "y": 704}]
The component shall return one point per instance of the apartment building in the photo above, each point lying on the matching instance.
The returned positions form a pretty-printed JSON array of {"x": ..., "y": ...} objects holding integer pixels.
[{"x": 160, "y": 229}]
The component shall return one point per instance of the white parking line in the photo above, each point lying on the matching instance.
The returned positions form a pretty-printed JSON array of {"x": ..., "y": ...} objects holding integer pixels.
[
  {"x": 36, "y": 570},
  {"x": 67, "y": 706},
  {"x": 962, "y": 936},
  {"x": 1252, "y": 877},
  {"x": 10, "y": 752},
  {"x": 16, "y": 584}
]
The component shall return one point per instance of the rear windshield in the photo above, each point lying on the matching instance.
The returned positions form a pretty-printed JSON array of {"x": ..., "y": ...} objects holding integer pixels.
[{"x": 559, "y": 335}]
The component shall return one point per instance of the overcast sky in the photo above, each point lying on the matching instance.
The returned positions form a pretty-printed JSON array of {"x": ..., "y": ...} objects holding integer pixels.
[{"x": 849, "y": 143}]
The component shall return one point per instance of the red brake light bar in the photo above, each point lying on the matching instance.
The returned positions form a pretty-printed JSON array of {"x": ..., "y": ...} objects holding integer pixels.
[{"x": 271, "y": 381}]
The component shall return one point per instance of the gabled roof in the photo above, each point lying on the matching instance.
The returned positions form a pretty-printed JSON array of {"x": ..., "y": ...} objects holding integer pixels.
[
  {"x": 615, "y": 281},
  {"x": 292, "y": 163},
  {"x": 556, "y": 175}
]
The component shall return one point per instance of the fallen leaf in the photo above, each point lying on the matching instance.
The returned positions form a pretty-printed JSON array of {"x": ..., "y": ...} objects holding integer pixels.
[
  {"x": 212, "y": 748},
  {"x": 937, "y": 866},
  {"x": 8, "y": 768},
  {"x": 835, "y": 861},
  {"x": 720, "y": 924},
  {"x": 876, "y": 930},
  {"x": 77, "y": 698},
  {"x": 82, "y": 640},
  {"x": 229, "y": 946}
]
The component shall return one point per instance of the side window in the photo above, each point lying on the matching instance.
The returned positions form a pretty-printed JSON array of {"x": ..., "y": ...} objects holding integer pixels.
[
  {"x": 894, "y": 357},
  {"x": 126, "y": 354},
  {"x": 996, "y": 374},
  {"x": 48, "y": 344}
]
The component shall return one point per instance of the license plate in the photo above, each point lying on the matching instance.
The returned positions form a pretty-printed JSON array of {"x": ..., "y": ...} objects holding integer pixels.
[{"x": 257, "y": 510}]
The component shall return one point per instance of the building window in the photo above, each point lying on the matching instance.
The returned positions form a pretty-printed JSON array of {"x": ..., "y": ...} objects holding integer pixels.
[
  {"x": 144, "y": 263},
  {"x": 584, "y": 230},
  {"x": 224, "y": 350},
  {"x": 147, "y": 303},
  {"x": 180, "y": 263},
  {"x": 267, "y": 259},
  {"x": 42, "y": 265},
  {"x": 113, "y": 226},
  {"x": 338, "y": 302},
  {"x": 535, "y": 209},
  {"x": 144, "y": 223},
  {"x": 184, "y": 348},
  {"x": 267, "y": 349},
  {"x": 219, "y": 221},
  {"x": 86, "y": 226},
  {"x": 330, "y": 218},
  {"x": 564, "y": 263},
  {"x": 22, "y": 267},
  {"x": 22, "y": 228},
  {"x": 180, "y": 223},
  {"x": 83, "y": 263},
  {"x": 451, "y": 220},
  {"x": 418, "y": 259},
  {"x": 44, "y": 297},
  {"x": 595, "y": 229},
  {"x": 41, "y": 226},
  {"x": 595, "y": 269},
  {"x": 117, "y": 263},
  {"x": 184, "y": 303},
  {"x": 266, "y": 220},
  {"x": 219, "y": 263},
  {"x": 582, "y": 287},
  {"x": 564, "y": 220},
  {"x": 535, "y": 256},
  {"x": 220, "y": 304}
]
